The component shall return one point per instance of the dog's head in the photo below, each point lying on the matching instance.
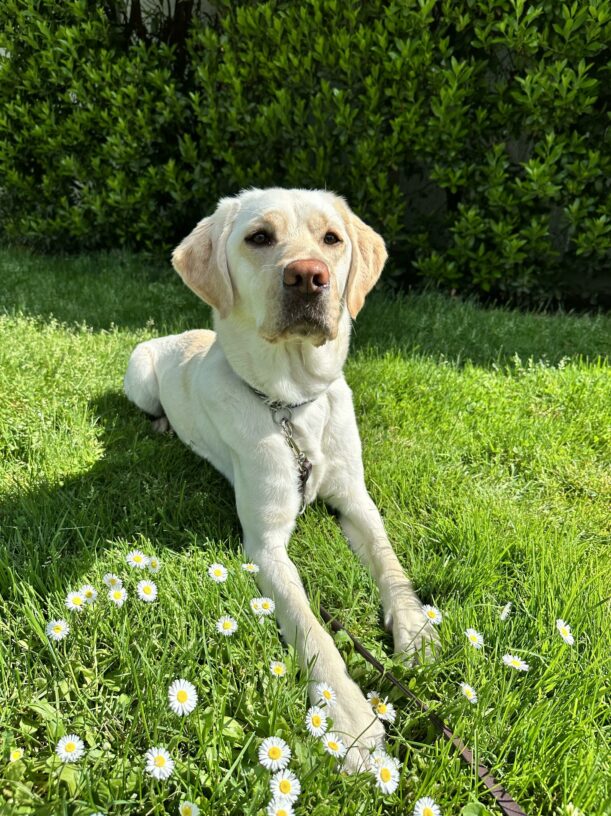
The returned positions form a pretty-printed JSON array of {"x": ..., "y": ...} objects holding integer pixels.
[{"x": 284, "y": 260}]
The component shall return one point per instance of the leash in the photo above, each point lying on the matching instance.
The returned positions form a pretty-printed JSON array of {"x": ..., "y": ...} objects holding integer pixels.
[{"x": 508, "y": 805}]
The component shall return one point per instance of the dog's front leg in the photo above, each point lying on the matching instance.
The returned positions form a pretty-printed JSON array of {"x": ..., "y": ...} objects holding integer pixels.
[{"x": 267, "y": 507}]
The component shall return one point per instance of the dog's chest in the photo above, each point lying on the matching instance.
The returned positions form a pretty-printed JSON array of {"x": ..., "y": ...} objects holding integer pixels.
[{"x": 309, "y": 432}]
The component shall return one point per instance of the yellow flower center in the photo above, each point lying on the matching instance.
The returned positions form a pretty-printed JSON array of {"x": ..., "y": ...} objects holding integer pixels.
[
  {"x": 113, "y": 582},
  {"x": 182, "y": 696},
  {"x": 472, "y": 637},
  {"x": 385, "y": 775},
  {"x": 186, "y": 810},
  {"x": 281, "y": 812},
  {"x": 333, "y": 745},
  {"x": 226, "y": 624},
  {"x": 69, "y": 747},
  {"x": 468, "y": 692},
  {"x": 147, "y": 589},
  {"x": 431, "y": 613},
  {"x": 77, "y": 600},
  {"x": 218, "y": 572},
  {"x": 88, "y": 593},
  {"x": 326, "y": 694},
  {"x": 16, "y": 754},
  {"x": 564, "y": 631},
  {"x": 285, "y": 786},
  {"x": 265, "y": 604},
  {"x": 428, "y": 811},
  {"x": 316, "y": 720},
  {"x": 137, "y": 558},
  {"x": 117, "y": 595},
  {"x": 274, "y": 752},
  {"x": 159, "y": 761},
  {"x": 515, "y": 662},
  {"x": 153, "y": 564},
  {"x": 382, "y": 708},
  {"x": 58, "y": 629},
  {"x": 278, "y": 669}
]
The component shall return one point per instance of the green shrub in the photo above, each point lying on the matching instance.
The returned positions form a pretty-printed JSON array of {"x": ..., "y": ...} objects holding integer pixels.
[{"x": 474, "y": 135}]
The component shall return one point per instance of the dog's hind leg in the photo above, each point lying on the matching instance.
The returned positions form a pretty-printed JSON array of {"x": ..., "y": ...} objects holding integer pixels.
[{"x": 141, "y": 386}]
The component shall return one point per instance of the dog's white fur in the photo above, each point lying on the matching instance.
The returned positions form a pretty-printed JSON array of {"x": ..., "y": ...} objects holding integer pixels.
[{"x": 198, "y": 380}]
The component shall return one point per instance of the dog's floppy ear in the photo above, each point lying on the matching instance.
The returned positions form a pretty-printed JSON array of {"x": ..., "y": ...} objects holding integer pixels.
[
  {"x": 368, "y": 259},
  {"x": 201, "y": 259}
]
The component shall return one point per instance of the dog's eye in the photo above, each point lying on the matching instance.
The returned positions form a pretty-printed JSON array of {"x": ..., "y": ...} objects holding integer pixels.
[
  {"x": 260, "y": 238},
  {"x": 332, "y": 238}
]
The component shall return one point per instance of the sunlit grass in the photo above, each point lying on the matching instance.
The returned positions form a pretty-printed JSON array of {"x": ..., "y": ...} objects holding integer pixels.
[{"x": 486, "y": 446}]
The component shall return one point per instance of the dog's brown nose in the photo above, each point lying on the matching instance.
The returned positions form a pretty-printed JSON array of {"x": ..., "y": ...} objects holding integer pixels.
[{"x": 310, "y": 277}]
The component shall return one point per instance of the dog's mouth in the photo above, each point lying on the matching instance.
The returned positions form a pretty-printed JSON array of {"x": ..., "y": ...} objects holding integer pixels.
[{"x": 304, "y": 317}]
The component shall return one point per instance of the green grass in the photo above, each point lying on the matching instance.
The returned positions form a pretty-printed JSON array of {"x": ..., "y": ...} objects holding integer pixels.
[{"x": 486, "y": 442}]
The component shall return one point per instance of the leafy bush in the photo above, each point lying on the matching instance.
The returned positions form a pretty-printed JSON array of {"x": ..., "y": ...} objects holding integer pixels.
[{"x": 473, "y": 135}]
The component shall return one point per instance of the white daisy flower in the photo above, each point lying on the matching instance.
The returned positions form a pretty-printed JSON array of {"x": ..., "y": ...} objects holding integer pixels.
[
  {"x": 376, "y": 758},
  {"x": 112, "y": 581},
  {"x": 89, "y": 593},
  {"x": 226, "y": 626},
  {"x": 426, "y": 807},
  {"x": 506, "y": 611},
  {"x": 385, "y": 711},
  {"x": 475, "y": 639},
  {"x": 515, "y": 662},
  {"x": 118, "y": 596},
  {"x": 147, "y": 591},
  {"x": 15, "y": 755},
  {"x": 374, "y": 698},
  {"x": 326, "y": 694},
  {"x": 255, "y": 605},
  {"x": 469, "y": 692},
  {"x": 386, "y": 771},
  {"x": 188, "y": 809},
  {"x": 57, "y": 629},
  {"x": 279, "y": 807},
  {"x": 75, "y": 602},
  {"x": 316, "y": 721},
  {"x": 267, "y": 606},
  {"x": 565, "y": 631},
  {"x": 159, "y": 763},
  {"x": 333, "y": 745},
  {"x": 137, "y": 559},
  {"x": 277, "y": 668},
  {"x": 250, "y": 567},
  {"x": 182, "y": 697},
  {"x": 70, "y": 748},
  {"x": 154, "y": 565},
  {"x": 274, "y": 754},
  {"x": 433, "y": 614},
  {"x": 218, "y": 573},
  {"x": 285, "y": 785}
]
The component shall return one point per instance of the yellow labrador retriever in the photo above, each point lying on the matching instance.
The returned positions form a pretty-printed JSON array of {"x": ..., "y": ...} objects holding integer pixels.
[{"x": 263, "y": 398}]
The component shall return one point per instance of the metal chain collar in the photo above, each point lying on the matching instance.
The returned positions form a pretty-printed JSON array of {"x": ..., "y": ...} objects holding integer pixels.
[{"x": 282, "y": 416}]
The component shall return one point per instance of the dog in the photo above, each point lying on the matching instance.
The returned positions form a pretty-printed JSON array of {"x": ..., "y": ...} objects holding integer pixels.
[{"x": 263, "y": 398}]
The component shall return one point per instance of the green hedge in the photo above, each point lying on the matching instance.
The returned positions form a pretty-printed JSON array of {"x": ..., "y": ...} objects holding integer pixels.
[{"x": 474, "y": 135}]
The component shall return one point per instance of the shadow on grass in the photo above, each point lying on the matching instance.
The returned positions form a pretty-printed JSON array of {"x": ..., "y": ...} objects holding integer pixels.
[
  {"x": 117, "y": 289},
  {"x": 146, "y": 486}
]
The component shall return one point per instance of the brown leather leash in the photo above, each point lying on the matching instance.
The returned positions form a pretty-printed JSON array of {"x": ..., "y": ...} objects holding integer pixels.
[{"x": 508, "y": 805}]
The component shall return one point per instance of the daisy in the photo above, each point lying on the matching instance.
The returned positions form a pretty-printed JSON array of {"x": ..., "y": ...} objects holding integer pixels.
[
  {"x": 565, "y": 631},
  {"x": 333, "y": 745},
  {"x": 433, "y": 614},
  {"x": 475, "y": 639},
  {"x": 267, "y": 606},
  {"x": 506, "y": 611},
  {"x": 137, "y": 559},
  {"x": 250, "y": 567},
  {"x": 376, "y": 758},
  {"x": 515, "y": 662},
  {"x": 57, "y": 629},
  {"x": 15, "y": 755},
  {"x": 75, "y": 601},
  {"x": 426, "y": 807},
  {"x": 226, "y": 626},
  {"x": 112, "y": 581},
  {"x": 386, "y": 772},
  {"x": 326, "y": 694},
  {"x": 154, "y": 566},
  {"x": 374, "y": 698},
  {"x": 89, "y": 593},
  {"x": 147, "y": 591},
  {"x": 274, "y": 754},
  {"x": 118, "y": 596},
  {"x": 285, "y": 785},
  {"x": 255, "y": 605},
  {"x": 469, "y": 692},
  {"x": 316, "y": 721},
  {"x": 218, "y": 573},
  {"x": 279, "y": 807},
  {"x": 277, "y": 668},
  {"x": 188, "y": 809},
  {"x": 70, "y": 748},
  {"x": 385, "y": 711},
  {"x": 182, "y": 697},
  {"x": 159, "y": 764}
]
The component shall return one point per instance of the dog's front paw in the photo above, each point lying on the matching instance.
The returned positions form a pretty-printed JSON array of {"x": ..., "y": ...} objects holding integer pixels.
[
  {"x": 355, "y": 723},
  {"x": 413, "y": 633}
]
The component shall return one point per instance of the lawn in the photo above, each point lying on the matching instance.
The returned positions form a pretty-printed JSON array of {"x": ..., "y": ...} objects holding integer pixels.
[{"x": 486, "y": 446}]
